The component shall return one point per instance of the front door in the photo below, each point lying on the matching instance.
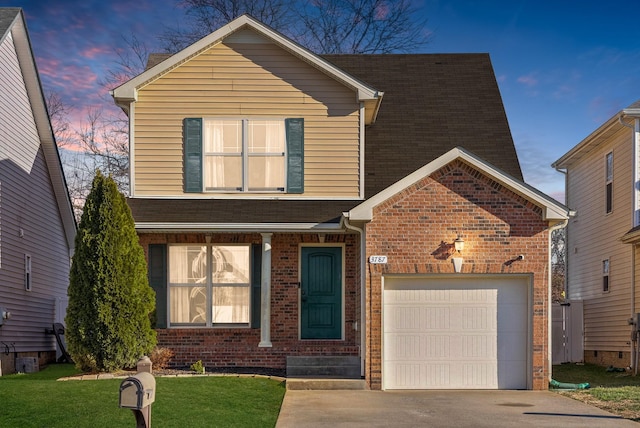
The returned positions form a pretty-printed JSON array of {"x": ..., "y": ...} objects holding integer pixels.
[{"x": 321, "y": 293}]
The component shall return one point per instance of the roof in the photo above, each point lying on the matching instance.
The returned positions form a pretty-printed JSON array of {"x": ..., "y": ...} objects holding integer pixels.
[
  {"x": 12, "y": 21},
  {"x": 237, "y": 214},
  {"x": 552, "y": 210},
  {"x": 605, "y": 131},
  {"x": 128, "y": 91},
  {"x": 432, "y": 104}
]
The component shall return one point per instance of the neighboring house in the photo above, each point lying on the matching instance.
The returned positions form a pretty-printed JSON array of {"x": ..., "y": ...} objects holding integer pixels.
[
  {"x": 37, "y": 227},
  {"x": 291, "y": 209},
  {"x": 603, "y": 187}
]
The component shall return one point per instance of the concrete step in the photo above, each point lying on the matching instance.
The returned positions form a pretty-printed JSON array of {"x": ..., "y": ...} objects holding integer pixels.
[
  {"x": 302, "y": 384},
  {"x": 345, "y": 367}
]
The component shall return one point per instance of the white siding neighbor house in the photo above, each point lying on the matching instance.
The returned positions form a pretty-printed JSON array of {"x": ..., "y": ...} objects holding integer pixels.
[
  {"x": 603, "y": 187},
  {"x": 37, "y": 227}
]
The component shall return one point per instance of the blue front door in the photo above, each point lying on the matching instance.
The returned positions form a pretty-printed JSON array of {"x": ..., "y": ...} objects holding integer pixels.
[{"x": 321, "y": 293}]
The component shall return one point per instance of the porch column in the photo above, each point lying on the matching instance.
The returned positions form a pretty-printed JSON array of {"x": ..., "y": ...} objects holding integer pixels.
[{"x": 265, "y": 302}]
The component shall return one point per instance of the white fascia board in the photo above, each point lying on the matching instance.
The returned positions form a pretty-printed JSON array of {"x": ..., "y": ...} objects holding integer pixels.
[
  {"x": 238, "y": 227},
  {"x": 552, "y": 210},
  {"x": 127, "y": 92},
  {"x": 588, "y": 143}
]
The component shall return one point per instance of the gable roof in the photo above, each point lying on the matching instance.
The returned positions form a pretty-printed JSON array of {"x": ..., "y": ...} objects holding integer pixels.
[
  {"x": 127, "y": 92},
  {"x": 12, "y": 23},
  {"x": 552, "y": 210},
  {"x": 432, "y": 104},
  {"x": 605, "y": 131}
]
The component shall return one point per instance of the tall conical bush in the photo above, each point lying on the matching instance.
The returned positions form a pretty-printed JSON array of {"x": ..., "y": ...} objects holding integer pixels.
[{"x": 110, "y": 299}]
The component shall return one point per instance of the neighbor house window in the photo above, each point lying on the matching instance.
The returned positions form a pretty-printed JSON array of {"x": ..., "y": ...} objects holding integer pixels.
[
  {"x": 609, "y": 182},
  {"x": 209, "y": 284},
  {"x": 605, "y": 275},
  {"x": 243, "y": 155},
  {"x": 27, "y": 272}
]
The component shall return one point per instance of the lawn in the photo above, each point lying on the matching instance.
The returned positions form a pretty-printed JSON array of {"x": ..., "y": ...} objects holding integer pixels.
[
  {"x": 39, "y": 400},
  {"x": 616, "y": 392}
]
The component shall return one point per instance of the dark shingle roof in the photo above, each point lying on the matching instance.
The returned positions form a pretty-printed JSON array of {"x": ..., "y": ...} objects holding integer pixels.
[
  {"x": 7, "y": 16},
  {"x": 237, "y": 210},
  {"x": 432, "y": 103}
]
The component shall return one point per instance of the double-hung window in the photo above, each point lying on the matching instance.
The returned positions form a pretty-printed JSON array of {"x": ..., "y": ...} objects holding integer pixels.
[
  {"x": 605, "y": 275},
  {"x": 609, "y": 182},
  {"x": 243, "y": 155},
  {"x": 209, "y": 285}
]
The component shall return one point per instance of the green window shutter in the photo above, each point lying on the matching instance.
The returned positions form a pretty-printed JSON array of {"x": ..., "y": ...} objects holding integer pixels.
[
  {"x": 295, "y": 155},
  {"x": 192, "y": 139},
  {"x": 157, "y": 267},
  {"x": 256, "y": 284}
]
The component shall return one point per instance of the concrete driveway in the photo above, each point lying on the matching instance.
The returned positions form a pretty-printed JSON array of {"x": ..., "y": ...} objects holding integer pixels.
[{"x": 440, "y": 409}]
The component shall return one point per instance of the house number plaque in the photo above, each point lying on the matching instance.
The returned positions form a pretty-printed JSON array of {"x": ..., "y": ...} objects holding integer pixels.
[{"x": 377, "y": 260}]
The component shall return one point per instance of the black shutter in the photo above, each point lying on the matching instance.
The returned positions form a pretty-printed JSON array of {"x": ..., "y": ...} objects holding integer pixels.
[
  {"x": 295, "y": 155},
  {"x": 157, "y": 267},
  {"x": 192, "y": 139},
  {"x": 256, "y": 284}
]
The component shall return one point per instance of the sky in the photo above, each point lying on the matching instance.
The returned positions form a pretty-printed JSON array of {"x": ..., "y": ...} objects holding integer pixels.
[{"x": 563, "y": 66}]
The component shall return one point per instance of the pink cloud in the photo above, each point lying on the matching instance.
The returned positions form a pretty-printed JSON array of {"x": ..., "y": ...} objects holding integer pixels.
[
  {"x": 94, "y": 51},
  {"x": 528, "y": 80}
]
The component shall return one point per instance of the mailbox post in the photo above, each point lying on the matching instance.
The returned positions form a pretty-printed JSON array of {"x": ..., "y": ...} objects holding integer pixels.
[{"x": 137, "y": 393}]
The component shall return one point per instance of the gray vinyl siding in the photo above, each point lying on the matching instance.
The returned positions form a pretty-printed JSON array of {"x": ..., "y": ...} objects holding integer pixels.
[
  {"x": 595, "y": 236},
  {"x": 30, "y": 221}
]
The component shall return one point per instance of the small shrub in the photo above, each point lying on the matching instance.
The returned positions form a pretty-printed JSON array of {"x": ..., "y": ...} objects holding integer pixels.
[
  {"x": 197, "y": 367},
  {"x": 161, "y": 357}
]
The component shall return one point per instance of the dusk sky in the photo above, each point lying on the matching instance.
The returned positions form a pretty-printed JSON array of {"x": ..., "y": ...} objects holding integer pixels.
[{"x": 563, "y": 67}]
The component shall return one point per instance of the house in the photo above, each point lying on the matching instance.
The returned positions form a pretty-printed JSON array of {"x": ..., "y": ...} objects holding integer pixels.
[
  {"x": 602, "y": 176},
  {"x": 37, "y": 226},
  {"x": 294, "y": 206}
]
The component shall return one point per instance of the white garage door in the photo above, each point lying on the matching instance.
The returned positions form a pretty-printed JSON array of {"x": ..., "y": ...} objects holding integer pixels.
[{"x": 455, "y": 333}]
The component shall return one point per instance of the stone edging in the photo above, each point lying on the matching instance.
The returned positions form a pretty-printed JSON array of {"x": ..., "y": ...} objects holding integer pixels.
[{"x": 101, "y": 376}]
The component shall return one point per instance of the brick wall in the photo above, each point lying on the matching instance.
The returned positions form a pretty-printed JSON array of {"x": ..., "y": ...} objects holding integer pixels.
[
  {"x": 238, "y": 347},
  {"x": 416, "y": 229}
]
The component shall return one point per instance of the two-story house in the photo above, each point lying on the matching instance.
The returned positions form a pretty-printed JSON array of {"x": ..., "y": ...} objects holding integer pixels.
[
  {"x": 295, "y": 205},
  {"x": 37, "y": 226},
  {"x": 602, "y": 175}
]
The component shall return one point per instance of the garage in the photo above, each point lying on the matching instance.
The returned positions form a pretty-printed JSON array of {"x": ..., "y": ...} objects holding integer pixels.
[{"x": 456, "y": 332}]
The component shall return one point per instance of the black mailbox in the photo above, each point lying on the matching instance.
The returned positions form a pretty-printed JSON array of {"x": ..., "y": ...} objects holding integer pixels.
[{"x": 138, "y": 392}]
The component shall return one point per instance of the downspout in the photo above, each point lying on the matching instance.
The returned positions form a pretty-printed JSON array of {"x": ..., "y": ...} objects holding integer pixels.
[
  {"x": 634, "y": 221},
  {"x": 549, "y": 297},
  {"x": 363, "y": 290}
]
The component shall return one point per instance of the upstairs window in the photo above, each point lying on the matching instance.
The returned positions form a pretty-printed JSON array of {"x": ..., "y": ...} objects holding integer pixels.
[
  {"x": 605, "y": 275},
  {"x": 609, "y": 182},
  {"x": 243, "y": 155}
]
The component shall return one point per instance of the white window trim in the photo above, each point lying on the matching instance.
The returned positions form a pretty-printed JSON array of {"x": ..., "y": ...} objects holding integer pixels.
[
  {"x": 209, "y": 286},
  {"x": 245, "y": 155}
]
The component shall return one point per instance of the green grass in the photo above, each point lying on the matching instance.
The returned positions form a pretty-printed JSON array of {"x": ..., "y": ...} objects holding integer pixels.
[
  {"x": 616, "y": 392},
  {"x": 38, "y": 400}
]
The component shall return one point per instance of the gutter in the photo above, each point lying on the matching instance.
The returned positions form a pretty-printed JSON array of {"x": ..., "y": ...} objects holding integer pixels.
[{"x": 363, "y": 290}]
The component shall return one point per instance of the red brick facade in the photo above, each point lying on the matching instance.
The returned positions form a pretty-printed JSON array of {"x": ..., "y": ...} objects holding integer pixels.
[
  {"x": 238, "y": 347},
  {"x": 416, "y": 229}
]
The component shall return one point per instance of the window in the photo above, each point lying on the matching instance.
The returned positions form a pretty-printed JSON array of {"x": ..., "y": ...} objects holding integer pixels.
[
  {"x": 209, "y": 284},
  {"x": 243, "y": 155},
  {"x": 609, "y": 182},
  {"x": 27, "y": 272},
  {"x": 605, "y": 275}
]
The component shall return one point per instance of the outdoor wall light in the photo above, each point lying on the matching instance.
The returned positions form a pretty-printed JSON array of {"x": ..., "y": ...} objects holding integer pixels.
[
  {"x": 457, "y": 261},
  {"x": 459, "y": 244}
]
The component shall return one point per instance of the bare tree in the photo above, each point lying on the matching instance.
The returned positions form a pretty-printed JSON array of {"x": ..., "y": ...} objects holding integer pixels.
[
  {"x": 206, "y": 16},
  {"x": 362, "y": 26},
  {"x": 558, "y": 264},
  {"x": 59, "y": 113},
  {"x": 323, "y": 26}
]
